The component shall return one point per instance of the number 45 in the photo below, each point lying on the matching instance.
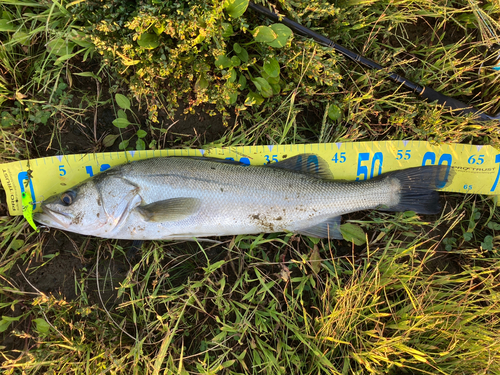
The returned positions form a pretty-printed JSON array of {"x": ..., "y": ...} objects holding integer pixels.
[{"x": 342, "y": 158}]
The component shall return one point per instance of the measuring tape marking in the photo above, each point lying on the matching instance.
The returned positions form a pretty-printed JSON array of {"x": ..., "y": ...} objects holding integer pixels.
[{"x": 477, "y": 167}]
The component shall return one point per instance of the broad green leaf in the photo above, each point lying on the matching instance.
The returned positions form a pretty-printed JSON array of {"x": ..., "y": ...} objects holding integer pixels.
[
  {"x": 6, "y": 15},
  {"x": 235, "y": 61},
  {"x": 235, "y": 8},
  {"x": 315, "y": 259},
  {"x": 223, "y": 62},
  {"x": 159, "y": 30},
  {"x": 122, "y": 101},
  {"x": 228, "y": 363},
  {"x": 263, "y": 86},
  {"x": 109, "y": 140},
  {"x": 140, "y": 145},
  {"x": 5, "y": 322},
  {"x": 253, "y": 99},
  {"x": 123, "y": 145},
  {"x": 467, "y": 236},
  {"x": 141, "y": 133},
  {"x": 6, "y": 26},
  {"x": 493, "y": 225},
  {"x": 276, "y": 88},
  {"x": 4, "y": 325},
  {"x": 268, "y": 78},
  {"x": 121, "y": 114},
  {"x": 88, "y": 74},
  {"x": 243, "y": 55},
  {"x": 83, "y": 43},
  {"x": 237, "y": 48},
  {"x": 257, "y": 84},
  {"x": 353, "y": 232},
  {"x": 213, "y": 267},
  {"x": 242, "y": 82},
  {"x": 358, "y": 26},
  {"x": 227, "y": 29},
  {"x": 7, "y": 120},
  {"x": 63, "y": 58},
  {"x": 334, "y": 112},
  {"x": 200, "y": 38},
  {"x": 233, "y": 77},
  {"x": 121, "y": 123},
  {"x": 148, "y": 41},
  {"x": 82, "y": 39},
  {"x": 283, "y": 33},
  {"x": 60, "y": 47},
  {"x": 17, "y": 244},
  {"x": 41, "y": 325},
  {"x": 264, "y": 34},
  {"x": 201, "y": 83},
  {"x": 272, "y": 67},
  {"x": 487, "y": 244},
  {"x": 233, "y": 97}
]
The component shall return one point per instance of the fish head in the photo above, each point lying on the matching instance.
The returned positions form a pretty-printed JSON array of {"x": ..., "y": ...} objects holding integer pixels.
[{"x": 96, "y": 207}]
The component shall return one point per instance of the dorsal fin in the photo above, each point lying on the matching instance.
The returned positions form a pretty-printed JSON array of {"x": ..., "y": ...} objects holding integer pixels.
[
  {"x": 310, "y": 164},
  {"x": 217, "y": 160}
]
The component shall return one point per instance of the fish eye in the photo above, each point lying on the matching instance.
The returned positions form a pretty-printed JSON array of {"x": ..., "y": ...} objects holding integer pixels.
[{"x": 68, "y": 197}]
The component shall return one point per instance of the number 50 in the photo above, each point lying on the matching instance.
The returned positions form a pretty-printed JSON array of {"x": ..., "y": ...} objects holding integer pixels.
[{"x": 363, "y": 169}]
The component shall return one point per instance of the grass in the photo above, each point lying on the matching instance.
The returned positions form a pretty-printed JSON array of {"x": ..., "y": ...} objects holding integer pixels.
[{"x": 421, "y": 296}]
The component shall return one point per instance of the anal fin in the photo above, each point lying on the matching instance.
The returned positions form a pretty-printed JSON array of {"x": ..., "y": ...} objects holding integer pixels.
[
  {"x": 329, "y": 228},
  {"x": 173, "y": 209}
]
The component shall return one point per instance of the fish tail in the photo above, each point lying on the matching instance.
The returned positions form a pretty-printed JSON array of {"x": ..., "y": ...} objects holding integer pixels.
[{"x": 417, "y": 188}]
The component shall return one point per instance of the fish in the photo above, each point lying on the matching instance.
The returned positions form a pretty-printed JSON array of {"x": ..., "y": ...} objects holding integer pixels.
[{"x": 187, "y": 198}]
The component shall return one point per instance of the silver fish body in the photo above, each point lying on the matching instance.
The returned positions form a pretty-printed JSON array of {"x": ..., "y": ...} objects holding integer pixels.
[{"x": 186, "y": 198}]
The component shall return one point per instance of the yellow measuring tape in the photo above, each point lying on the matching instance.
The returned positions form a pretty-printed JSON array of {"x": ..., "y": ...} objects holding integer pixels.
[{"x": 477, "y": 167}]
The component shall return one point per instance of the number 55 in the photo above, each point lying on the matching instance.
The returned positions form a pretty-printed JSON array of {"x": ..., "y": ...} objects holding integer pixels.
[{"x": 407, "y": 155}]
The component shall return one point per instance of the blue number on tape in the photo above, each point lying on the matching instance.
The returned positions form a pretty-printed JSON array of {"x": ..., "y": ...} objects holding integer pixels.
[
  {"x": 90, "y": 171},
  {"x": 497, "y": 161},
  {"x": 338, "y": 159},
  {"x": 24, "y": 179},
  {"x": 405, "y": 156},
  {"x": 444, "y": 159},
  {"x": 363, "y": 169},
  {"x": 378, "y": 156},
  {"x": 274, "y": 159},
  {"x": 473, "y": 160}
]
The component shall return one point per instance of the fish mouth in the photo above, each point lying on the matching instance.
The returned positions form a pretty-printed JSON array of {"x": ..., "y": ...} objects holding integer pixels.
[{"x": 52, "y": 218}]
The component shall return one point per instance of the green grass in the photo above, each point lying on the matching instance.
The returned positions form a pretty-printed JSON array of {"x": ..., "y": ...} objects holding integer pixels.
[{"x": 421, "y": 296}]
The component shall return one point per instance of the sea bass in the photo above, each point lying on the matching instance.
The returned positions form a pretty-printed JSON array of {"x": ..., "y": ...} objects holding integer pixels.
[{"x": 185, "y": 198}]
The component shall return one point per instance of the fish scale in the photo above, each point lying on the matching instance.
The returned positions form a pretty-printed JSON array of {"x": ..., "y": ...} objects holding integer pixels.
[
  {"x": 186, "y": 198},
  {"x": 250, "y": 192}
]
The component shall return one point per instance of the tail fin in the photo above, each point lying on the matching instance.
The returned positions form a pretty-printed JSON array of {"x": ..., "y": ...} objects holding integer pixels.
[{"x": 417, "y": 188}]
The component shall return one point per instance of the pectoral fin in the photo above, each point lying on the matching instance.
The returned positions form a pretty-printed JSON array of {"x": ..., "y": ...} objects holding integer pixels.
[
  {"x": 329, "y": 228},
  {"x": 174, "y": 209}
]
